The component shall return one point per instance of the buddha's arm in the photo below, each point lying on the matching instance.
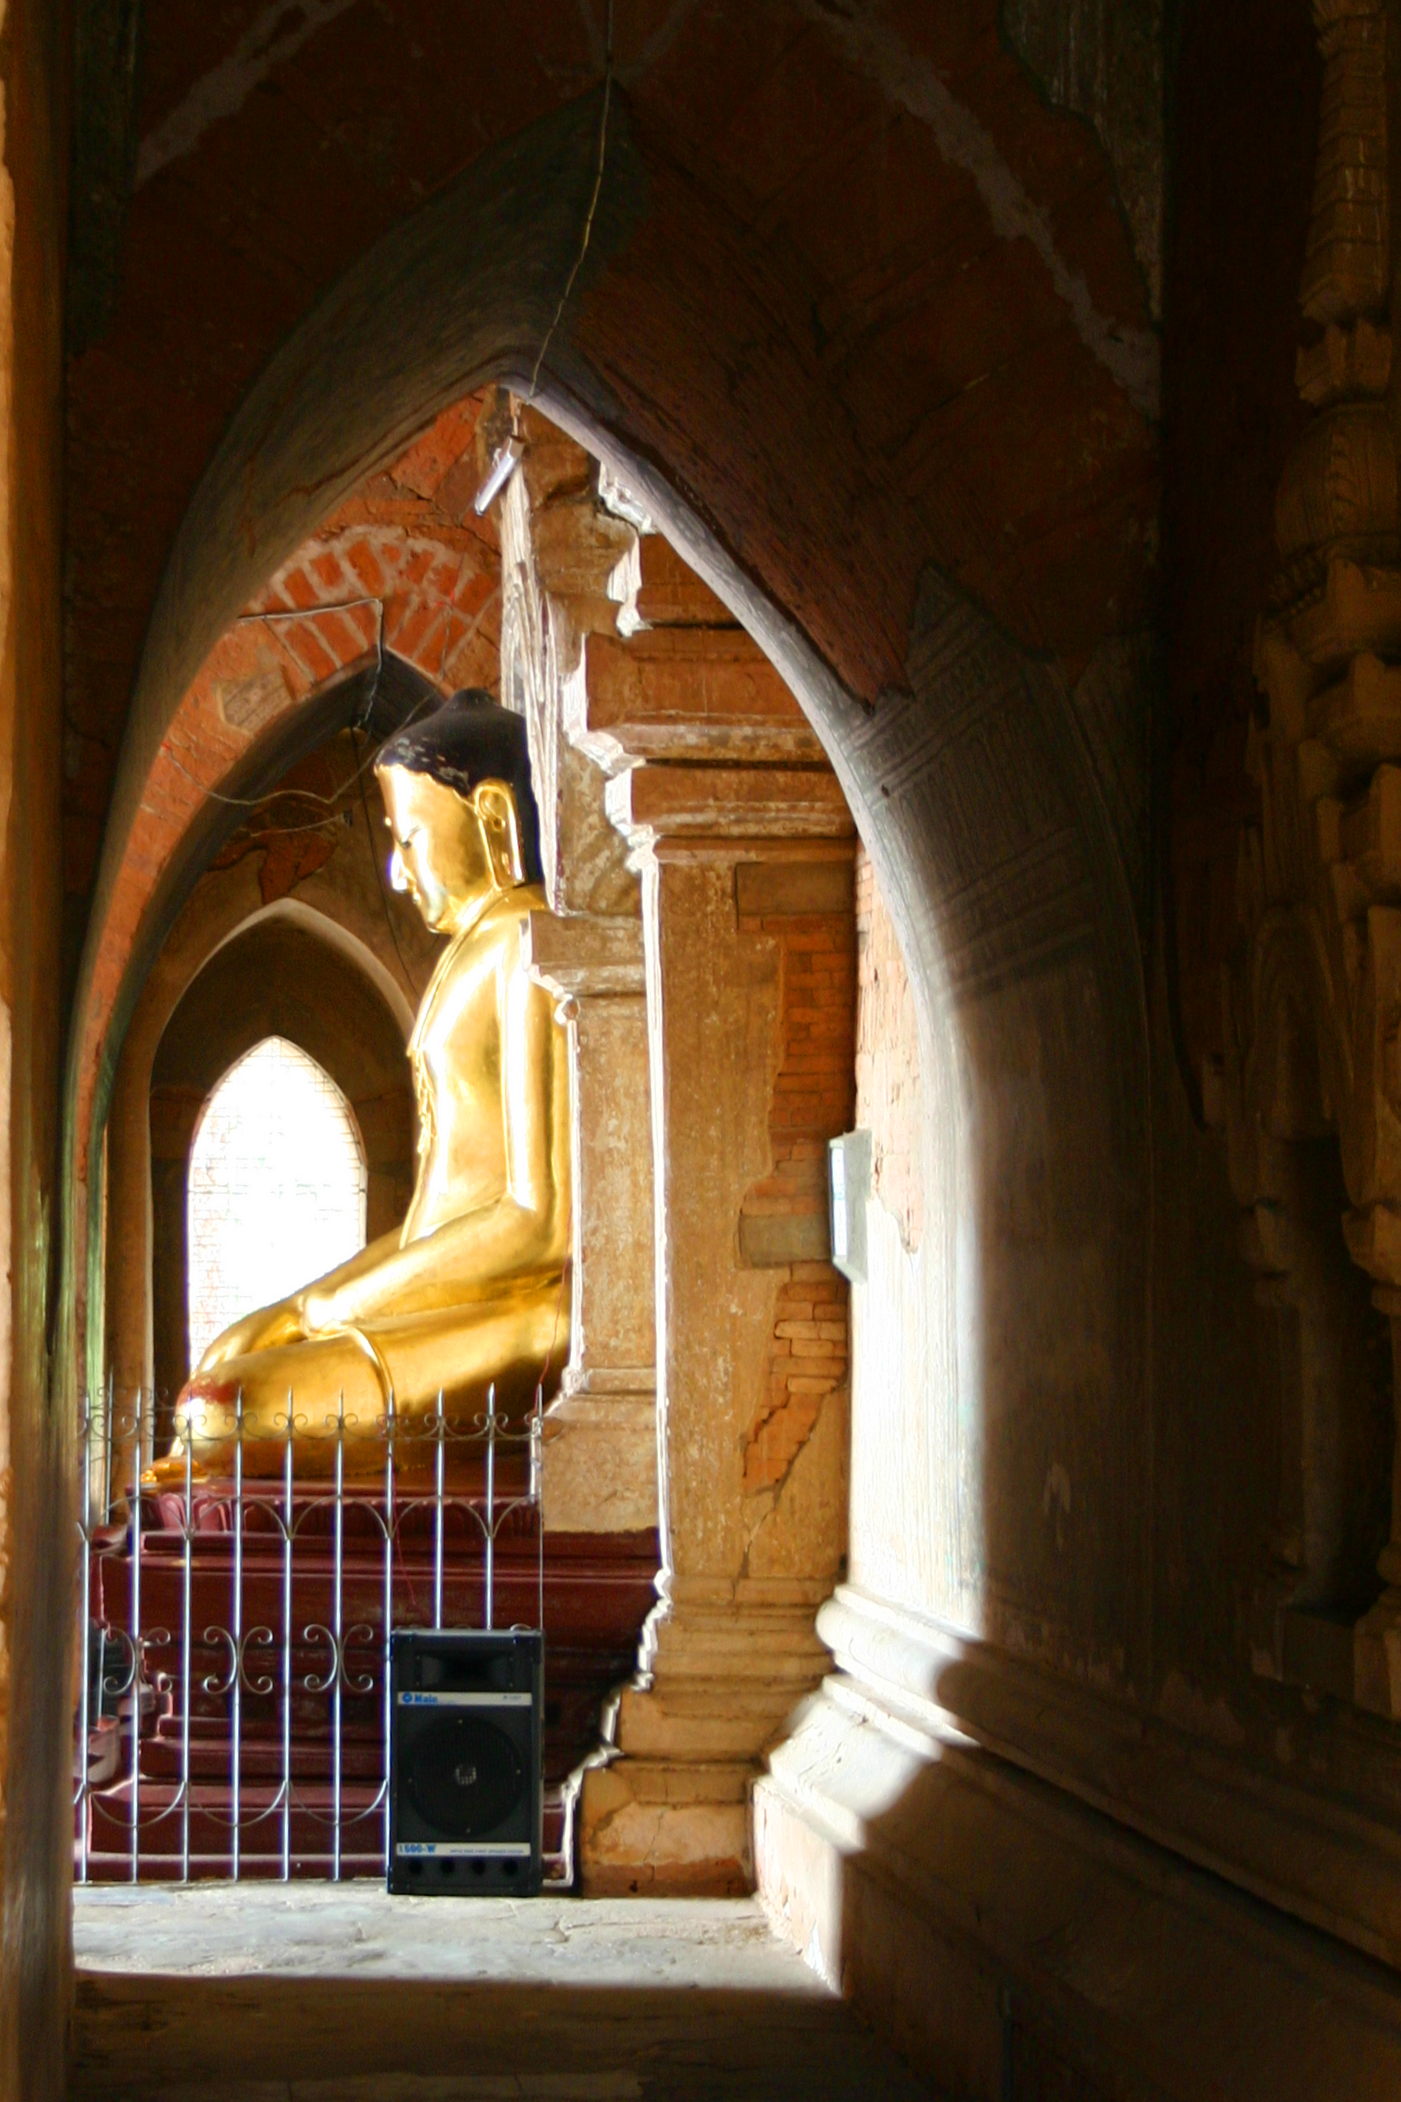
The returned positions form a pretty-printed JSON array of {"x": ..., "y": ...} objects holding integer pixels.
[
  {"x": 285, "y": 1320},
  {"x": 523, "y": 1232},
  {"x": 475, "y": 1257}
]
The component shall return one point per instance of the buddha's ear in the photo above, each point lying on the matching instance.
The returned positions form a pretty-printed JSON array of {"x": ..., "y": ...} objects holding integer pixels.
[{"x": 495, "y": 806}]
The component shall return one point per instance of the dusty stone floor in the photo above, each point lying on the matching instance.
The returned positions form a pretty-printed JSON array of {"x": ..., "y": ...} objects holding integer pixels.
[{"x": 315, "y": 1993}]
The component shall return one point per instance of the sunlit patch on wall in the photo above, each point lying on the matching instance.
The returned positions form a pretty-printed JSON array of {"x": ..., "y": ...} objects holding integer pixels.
[{"x": 277, "y": 1187}]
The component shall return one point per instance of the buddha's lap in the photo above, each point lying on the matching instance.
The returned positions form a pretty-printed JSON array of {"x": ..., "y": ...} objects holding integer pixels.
[{"x": 460, "y": 1352}]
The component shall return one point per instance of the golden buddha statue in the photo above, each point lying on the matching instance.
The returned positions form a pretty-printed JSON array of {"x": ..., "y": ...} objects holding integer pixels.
[{"x": 471, "y": 1294}]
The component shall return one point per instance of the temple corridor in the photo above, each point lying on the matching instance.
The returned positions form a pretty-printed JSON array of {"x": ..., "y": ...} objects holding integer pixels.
[
  {"x": 322, "y": 1994},
  {"x": 700, "y": 1050}
]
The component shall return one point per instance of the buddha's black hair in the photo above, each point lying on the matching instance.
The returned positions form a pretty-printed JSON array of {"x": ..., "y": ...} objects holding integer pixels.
[{"x": 470, "y": 739}]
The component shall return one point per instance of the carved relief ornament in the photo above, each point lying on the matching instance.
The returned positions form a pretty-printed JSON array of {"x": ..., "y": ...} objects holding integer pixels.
[{"x": 1313, "y": 998}]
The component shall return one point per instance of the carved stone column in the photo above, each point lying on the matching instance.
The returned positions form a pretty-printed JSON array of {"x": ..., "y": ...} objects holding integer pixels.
[
  {"x": 621, "y": 660},
  {"x": 602, "y": 1475},
  {"x": 559, "y": 548},
  {"x": 752, "y": 1453}
]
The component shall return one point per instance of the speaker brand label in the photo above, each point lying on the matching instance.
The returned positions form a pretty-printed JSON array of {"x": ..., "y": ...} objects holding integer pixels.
[{"x": 464, "y": 1700}]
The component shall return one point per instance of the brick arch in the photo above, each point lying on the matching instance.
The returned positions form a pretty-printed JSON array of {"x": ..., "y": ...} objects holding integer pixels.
[
  {"x": 909, "y": 216},
  {"x": 819, "y": 538},
  {"x": 209, "y": 920},
  {"x": 271, "y": 690}
]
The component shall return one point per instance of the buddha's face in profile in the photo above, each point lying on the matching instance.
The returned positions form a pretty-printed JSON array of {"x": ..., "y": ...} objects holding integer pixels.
[{"x": 451, "y": 853}]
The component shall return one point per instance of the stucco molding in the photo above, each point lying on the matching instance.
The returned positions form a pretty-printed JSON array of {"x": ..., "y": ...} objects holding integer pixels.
[
  {"x": 1336, "y": 1867},
  {"x": 960, "y": 1900}
]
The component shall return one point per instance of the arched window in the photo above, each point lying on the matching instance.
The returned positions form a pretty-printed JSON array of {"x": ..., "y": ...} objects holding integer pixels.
[{"x": 277, "y": 1187}]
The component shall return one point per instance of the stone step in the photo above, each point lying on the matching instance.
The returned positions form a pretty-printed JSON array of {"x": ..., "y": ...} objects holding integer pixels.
[{"x": 342, "y": 1994}]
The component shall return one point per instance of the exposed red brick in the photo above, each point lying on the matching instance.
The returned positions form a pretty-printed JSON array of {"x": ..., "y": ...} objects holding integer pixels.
[
  {"x": 812, "y": 1100},
  {"x": 359, "y": 554}
]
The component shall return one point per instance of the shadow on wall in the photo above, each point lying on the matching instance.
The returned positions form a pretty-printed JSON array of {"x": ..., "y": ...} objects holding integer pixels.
[
  {"x": 999, "y": 1409},
  {"x": 1025, "y": 1948}
]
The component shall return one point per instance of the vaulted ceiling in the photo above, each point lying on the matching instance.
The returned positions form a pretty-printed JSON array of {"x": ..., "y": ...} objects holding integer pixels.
[{"x": 871, "y": 290}]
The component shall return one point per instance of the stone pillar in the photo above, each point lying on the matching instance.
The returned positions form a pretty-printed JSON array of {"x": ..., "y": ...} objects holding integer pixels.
[
  {"x": 602, "y": 1475},
  {"x": 634, "y": 678},
  {"x": 753, "y": 1461},
  {"x": 128, "y": 1265},
  {"x": 559, "y": 546}
]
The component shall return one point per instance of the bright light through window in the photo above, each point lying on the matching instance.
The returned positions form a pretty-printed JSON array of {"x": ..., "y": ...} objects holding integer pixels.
[{"x": 277, "y": 1187}]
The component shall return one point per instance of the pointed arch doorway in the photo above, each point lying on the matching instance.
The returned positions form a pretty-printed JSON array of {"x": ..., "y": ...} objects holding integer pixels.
[{"x": 277, "y": 1186}]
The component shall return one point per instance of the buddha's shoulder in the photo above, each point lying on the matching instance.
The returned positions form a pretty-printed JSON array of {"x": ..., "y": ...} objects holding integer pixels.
[
  {"x": 498, "y": 930},
  {"x": 506, "y": 916}
]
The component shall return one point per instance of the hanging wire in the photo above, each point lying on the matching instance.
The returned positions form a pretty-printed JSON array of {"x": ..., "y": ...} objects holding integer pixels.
[
  {"x": 564, "y": 296},
  {"x": 333, "y": 802},
  {"x": 217, "y": 795},
  {"x": 274, "y": 795}
]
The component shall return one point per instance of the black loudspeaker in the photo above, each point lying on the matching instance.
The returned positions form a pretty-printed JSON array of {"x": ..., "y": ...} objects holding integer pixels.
[{"x": 464, "y": 1762}]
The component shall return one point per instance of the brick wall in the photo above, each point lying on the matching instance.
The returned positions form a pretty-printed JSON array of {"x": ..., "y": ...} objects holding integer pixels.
[{"x": 813, "y": 1100}]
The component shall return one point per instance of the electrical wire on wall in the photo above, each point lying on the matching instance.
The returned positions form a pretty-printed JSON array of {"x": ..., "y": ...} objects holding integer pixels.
[{"x": 504, "y": 463}]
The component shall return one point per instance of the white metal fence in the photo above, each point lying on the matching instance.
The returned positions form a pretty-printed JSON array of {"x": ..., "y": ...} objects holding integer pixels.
[{"x": 233, "y": 1704}]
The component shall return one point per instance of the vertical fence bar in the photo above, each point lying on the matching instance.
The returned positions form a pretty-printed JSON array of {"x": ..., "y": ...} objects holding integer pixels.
[
  {"x": 138, "y": 1655},
  {"x": 109, "y": 1439},
  {"x": 85, "y": 1532},
  {"x": 236, "y": 1635},
  {"x": 187, "y": 1656},
  {"x": 537, "y": 1435},
  {"x": 489, "y": 1558},
  {"x": 338, "y": 1639},
  {"x": 387, "y": 1694},
  {"x": 440, "y": 1485},
  {"x": 287, "y": 1506}
]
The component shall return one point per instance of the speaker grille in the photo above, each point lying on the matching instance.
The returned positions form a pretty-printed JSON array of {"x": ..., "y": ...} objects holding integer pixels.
[{"x": 464, "y": 1775}]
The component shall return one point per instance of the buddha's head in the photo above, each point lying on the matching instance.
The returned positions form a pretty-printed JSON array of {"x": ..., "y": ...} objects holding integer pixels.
[{"x": 460, "y": 808}]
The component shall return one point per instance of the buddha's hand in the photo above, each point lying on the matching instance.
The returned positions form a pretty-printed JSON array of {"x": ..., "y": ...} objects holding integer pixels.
[
  {"x": 263, "y": 1330},
  {"x": 368, "y": 1284},
  {"x": 323, "y": 1312}
]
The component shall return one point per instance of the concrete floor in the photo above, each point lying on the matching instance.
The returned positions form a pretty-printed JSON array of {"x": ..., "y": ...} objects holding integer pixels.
[{"x": 317, "y": 1993}]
